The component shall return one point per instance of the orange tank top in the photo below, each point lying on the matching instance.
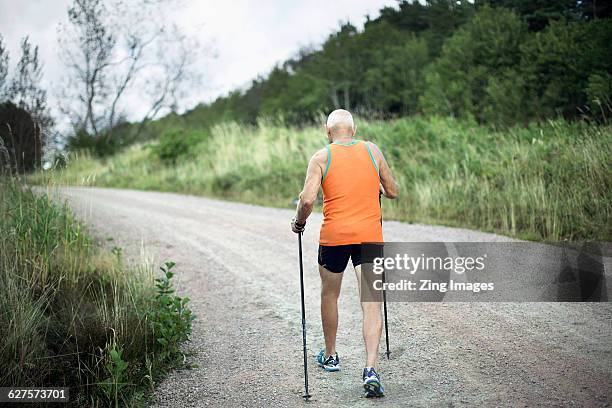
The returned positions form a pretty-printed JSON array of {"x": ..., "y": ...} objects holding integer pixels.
[{"x": 351, "y": 206}]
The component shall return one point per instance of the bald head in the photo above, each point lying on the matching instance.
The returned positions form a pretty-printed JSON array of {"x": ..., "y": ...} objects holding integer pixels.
[{"x": 340, "y": 122}]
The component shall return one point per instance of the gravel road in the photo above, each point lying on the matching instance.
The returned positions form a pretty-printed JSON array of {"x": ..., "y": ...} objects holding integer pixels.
[{"x": 238, "y": 264}]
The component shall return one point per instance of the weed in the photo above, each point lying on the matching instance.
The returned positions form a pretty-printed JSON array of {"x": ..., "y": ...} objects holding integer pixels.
[
  {"x": 170, "y": 316},
  {"x": 545, "y": 181},
  {"x": 75, "y": 315}
]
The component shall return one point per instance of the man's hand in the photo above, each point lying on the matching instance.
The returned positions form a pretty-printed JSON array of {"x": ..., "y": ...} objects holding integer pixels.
[{"x": 297, "y": 227}]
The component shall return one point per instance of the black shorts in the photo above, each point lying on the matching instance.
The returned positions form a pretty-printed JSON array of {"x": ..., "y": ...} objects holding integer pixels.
[{"x": 335, "y": 258}]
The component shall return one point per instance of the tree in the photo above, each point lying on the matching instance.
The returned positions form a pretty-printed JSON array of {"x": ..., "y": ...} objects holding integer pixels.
[
  {"x": 562, "y": 61},
  {"x": 113, "y": 52},
  {"x": 395, "y": 80},
  {"x": 599, "y": 95},
  {"x": 434, "y": 20},
  {"x": 274, "y": 87},
  {"x": 443, "y": 18},
  {"x": 4, "y": 60},
  {"x": 21, "y": 140},
  {"x": 297, "y": 91},
  {"x": 498, "y": 61},
  {"x": 372, "y": 57},
  {"x": 595, "y": 9},
  {"x": 25, "y": 89},
  {"x": 24, "y": 116},
  {"x": 539, "y": 13},
  {"x": 87, "y": 47},
  {"x": 476, "y": 67},
  {"x": 337, "y": 66}
]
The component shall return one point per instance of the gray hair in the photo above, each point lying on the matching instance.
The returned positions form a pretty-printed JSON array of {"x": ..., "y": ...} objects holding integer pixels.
[{"x": 340, "y": 118}]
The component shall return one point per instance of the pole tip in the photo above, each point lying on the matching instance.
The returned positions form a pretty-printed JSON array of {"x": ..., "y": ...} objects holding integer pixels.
[
  {"x": 387, "y": 353},
  {"x": 306, "y": 397}
]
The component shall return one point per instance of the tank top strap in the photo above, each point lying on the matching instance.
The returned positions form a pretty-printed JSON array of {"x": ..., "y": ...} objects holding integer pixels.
[
  {"x": 328, "y": 162},
  {"x": 372, "y": 158}
]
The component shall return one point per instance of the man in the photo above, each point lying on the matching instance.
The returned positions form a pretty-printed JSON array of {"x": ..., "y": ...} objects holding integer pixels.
[{"x": 352, "y": 173}]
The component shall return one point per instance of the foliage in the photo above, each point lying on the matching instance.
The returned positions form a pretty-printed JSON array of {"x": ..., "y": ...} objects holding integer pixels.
[
  {"x": 71, "y": 313},
  {"x": 538, "y": 14},
  {"x": 112, "y": 49},
  {"x": 104, "y": 145},
  {"x": 396, "y": 82},
  {"x": 20, "y": 140},
  {"x": 599, "y": 95},
  {"x": 557, "y": 64},
  {"x": 548, "y": 180},
  {"x": 170, "y": 316},
  {"x": 552, "y": 67},
  {"x": 474, "y": 75},
  {"x": 25, "y": 89},
  {"x": 175, "y": 144},
  {"x": 501, "y": 62},
  {"x": 115, "y": 369},
  {"x": 24, "y": 117},
  {"x": 4, "y": 60}
]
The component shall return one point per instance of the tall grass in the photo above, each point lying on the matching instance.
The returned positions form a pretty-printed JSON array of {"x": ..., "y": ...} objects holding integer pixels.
[
  {"x": 546, "y": 181},
  {"x": 71, "y": 313}
]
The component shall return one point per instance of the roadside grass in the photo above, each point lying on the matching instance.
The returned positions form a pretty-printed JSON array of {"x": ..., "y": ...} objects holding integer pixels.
[
  {"x": 73, "y": 314},
  {"x": 545, "y": 181}
]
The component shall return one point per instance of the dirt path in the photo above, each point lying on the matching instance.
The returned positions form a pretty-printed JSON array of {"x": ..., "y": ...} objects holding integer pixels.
[{"x": 238, "y": 264}]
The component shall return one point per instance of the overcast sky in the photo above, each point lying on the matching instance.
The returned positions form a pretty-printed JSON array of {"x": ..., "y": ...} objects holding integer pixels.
[{"x": 248, "y": 37}]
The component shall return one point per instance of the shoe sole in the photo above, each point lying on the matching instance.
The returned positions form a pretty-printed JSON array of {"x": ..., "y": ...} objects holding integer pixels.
[
  {"x": 373, "y": 390},
  {"x": 329, "y": 369}
]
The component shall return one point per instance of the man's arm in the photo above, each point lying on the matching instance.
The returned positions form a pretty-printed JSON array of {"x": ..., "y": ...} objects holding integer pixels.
[
  {"x": 389, "y": 185},
  {"x": 308, "y": 195}
]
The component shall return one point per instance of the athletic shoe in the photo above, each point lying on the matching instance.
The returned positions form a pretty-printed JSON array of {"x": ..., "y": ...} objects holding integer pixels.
[
  {"x": 331, "y": 363},
  {"x": 371, "y": 383}
]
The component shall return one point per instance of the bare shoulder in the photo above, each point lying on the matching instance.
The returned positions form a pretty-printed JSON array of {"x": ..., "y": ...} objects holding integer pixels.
[
  {"x": 319, "y": 158},
  {"x": 320, "y": 154},
  {"x": 374, "y": 149}
]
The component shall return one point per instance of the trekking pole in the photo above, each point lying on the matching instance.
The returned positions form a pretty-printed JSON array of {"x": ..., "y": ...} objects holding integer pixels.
[
  {"x": 306, "y": 395},
  {"x": 385, "y": 312},
  {"x": 384, "y": 290}
]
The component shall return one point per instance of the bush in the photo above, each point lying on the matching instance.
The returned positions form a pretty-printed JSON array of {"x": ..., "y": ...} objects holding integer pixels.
[
  {"x": 544, "y": 181},
  {"x": 101, "y": 146},
  {"x": 170, "y": 316},
  {"x": 74, "y": 315},
  {"x": 476, "y": 67},
  {"x": 565, "y": 67},
  {"x": 175, "y": 144},
  {"x": 599, "y": 95},
  {"x": 20, "y": 140}
]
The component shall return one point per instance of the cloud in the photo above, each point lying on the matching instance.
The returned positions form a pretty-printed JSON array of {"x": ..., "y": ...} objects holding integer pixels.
[{"x": 248, "y": 37}]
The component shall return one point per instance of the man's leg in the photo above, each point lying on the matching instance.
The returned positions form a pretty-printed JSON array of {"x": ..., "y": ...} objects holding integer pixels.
[
  {"x": 330, "y": 290},
  {"x": 372, "y": 325}
]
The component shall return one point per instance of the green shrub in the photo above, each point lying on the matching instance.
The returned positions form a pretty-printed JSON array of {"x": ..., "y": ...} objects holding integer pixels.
[
  {"x": 546, "y": 180},
  {"x": 175, "y": 144},
  {"x": 21, "y": 140},
  {"x": 599, "y": 93},
  {"x": 170, "y": 316},
  {"x": 115, "y": 368},
  {"x": 102, "y": 146},
  {"x": 72, "y": 314}
]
